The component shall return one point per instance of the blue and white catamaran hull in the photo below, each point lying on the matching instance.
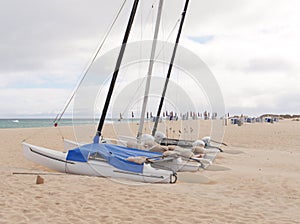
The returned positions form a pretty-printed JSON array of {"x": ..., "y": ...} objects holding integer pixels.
[{"x": 92, "y": 163}]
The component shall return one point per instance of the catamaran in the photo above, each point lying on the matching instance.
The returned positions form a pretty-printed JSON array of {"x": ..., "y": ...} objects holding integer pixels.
[
  {"x": 180, "y": 159},
  {"x": 105, "y": 159},
  {"x": 199, "y": 146}
]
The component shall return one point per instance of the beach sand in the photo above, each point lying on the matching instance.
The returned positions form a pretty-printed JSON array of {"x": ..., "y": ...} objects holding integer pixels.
[{"x": 256, "y": 180}]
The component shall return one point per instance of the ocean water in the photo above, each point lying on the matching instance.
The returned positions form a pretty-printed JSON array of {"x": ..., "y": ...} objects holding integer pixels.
[{"x": 32, "y": 123}]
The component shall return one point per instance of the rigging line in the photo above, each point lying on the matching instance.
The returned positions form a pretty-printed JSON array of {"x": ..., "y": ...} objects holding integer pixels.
[
  {"x": 125, "y": 69},
  {"x": 142, "y": 82},
  {"x": 141, "y": 38},
  {"x": 150, "y": 68},
  {"x": 140, "y": 49},
  {"x": 134, "y": 95},
  {"x": 39, "y": 131},
  {"x": 150, "y": 13},
  {"x": 170, "y": 67},
  {"x": 169, "y": 36},
  {"x": 116, "y": 71},
  {"x": 59, "y": 116}
]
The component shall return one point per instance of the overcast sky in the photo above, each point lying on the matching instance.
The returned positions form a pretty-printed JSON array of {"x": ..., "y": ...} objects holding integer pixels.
[{"x": 251, "y": 47}]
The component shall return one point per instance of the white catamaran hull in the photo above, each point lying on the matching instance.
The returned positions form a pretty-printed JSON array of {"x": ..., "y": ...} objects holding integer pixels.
[
  {"x": 177, "y": 165},
  {"x": 56, "y": 160}
]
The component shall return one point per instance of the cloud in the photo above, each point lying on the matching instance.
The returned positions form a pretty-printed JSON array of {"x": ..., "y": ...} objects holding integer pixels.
[
  {"x": 252, "y": 48},
  {"x": 268, "y": 65},
  {"x": 20, "y": 103},
  {"x": 50, "y": 39},
  {"x": 253, "y": 54}
]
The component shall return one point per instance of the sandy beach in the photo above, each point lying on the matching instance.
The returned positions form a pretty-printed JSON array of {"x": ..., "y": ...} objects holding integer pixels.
[{"x": 256, "y": 180}]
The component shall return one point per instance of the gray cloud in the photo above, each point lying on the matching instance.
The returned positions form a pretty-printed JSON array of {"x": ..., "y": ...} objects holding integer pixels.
[
  {"x": 48, "y": 43},
  {"x": 38, "y": 34},
  {"x": 268, "y": 65}
]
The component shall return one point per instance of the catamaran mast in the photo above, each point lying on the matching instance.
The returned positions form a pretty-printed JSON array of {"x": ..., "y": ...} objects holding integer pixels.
[
  {"x": 150, "y": 68},
  {"x": 116, "y": 71},
  {"x": 170, "y": 68}
]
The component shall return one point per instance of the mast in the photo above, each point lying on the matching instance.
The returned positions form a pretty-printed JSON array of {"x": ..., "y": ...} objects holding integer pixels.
[
  {"x": 116, "y": 71},
  {"x": 170, "y": 68},
  {"x": 150, "y": 68}
]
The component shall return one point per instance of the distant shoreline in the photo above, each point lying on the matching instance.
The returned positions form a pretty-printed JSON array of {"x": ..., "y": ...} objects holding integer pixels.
[{"x": 9, "y": 123}]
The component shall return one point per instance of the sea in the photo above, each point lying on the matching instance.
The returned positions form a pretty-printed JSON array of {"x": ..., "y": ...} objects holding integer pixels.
[
  {"x": 32, "y": 123},
  {"x": 35, "y": 123}
]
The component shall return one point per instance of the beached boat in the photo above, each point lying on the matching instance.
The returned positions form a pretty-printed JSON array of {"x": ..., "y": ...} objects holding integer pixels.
[
  {"x": 160, "y": 138},
  {"x": 174, "y": 162},
  {"x": 188, "y": 158},
  {"x": 104, "y": 159},
  {"x": 205, "y": 143}
]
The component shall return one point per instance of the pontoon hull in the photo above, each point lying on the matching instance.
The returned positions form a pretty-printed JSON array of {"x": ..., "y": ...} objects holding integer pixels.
[{"x": 56, "y": 160}]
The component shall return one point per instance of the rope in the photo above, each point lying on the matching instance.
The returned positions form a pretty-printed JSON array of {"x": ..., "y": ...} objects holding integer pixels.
[
  {"x": 161, "y": 50},
  {"x": 59, "y": 116},
  {"x": 38, "y": 130},
  {"x": 142, "y": 83},
  {"x": 168, "y": 37},
  {"x": 33, "y": 134}
]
